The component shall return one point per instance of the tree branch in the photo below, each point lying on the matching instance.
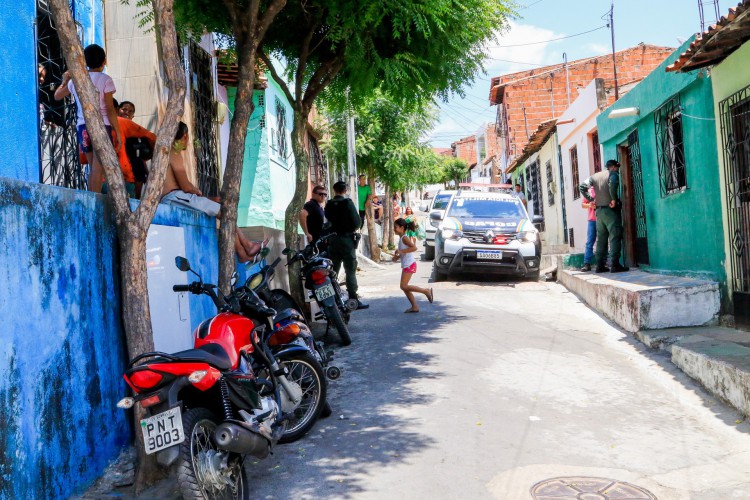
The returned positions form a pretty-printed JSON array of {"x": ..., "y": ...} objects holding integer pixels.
[
  {"x": 275, "y": 75},
  {"x": 267, "y": 18},
  {"x": 322, "y": 77},
  {"x": 302, "y": 64}
]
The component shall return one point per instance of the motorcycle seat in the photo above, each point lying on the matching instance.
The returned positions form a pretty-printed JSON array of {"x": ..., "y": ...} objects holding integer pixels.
[
  {"x": 213, "y": 354},
  {"x": 288, "y": 314}
]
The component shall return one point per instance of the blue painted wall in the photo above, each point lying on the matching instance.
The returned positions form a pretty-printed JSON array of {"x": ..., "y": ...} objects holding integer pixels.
[
  {"x": 18, "y": 87},
  {"x": 62, "y": 345}
]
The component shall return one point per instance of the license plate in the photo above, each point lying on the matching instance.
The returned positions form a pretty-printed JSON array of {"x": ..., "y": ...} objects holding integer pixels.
[
  {"x": 324, "y": 292},
  {"x": 490, "y": 255},
  {"x": 162, "y": 430}
]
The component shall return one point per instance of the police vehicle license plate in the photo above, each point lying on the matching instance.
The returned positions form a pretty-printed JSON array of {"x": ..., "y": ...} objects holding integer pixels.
[
  {"x": 162, "y": 430},
  {"x": 490, "y": 255},
  {"x": 324, "y": 292}
]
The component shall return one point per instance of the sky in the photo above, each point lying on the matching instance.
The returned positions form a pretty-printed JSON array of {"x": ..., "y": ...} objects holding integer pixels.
[{"x": 656, "y": 22}]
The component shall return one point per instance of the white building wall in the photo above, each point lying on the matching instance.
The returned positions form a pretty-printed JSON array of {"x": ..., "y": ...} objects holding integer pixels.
[
  {"x": 553, "y": 225},
  {"x": 582, "y": 115}
]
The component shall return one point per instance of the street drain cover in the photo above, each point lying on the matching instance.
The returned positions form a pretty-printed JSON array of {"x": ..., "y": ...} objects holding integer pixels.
[{"x": 588, "y": 488}]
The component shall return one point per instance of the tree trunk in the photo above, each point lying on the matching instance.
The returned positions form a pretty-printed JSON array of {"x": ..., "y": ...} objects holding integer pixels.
[
  {"x": 291, "y": 218},
  {"x": 387, "y": 216},
  {"x": 371, "y": 232},
  {"x": 132, "y": 227},
  {"x": 230, "y": 190}
]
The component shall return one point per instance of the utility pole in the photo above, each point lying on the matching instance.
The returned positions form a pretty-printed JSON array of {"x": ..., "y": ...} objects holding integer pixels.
[
  {"x": 351, "y": 161},
  {"x": 614, "y": 58}
]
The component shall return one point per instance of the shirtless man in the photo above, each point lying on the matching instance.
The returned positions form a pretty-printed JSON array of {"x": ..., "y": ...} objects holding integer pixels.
[{"x": 178, "y": 190}]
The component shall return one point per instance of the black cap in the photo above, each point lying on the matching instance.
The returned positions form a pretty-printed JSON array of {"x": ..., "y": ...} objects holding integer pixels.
[{"x": 613, "y": 163}]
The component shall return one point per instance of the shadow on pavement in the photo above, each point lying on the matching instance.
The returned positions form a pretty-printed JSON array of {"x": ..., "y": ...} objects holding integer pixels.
[{"x": 381, "y": 373}]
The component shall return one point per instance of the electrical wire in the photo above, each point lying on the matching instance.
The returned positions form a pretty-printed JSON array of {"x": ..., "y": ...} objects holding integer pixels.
[{"x": 551, "y": 39}]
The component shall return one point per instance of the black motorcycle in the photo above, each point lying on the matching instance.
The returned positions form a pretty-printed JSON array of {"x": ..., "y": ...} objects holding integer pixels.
[{"x": 321, "y": 282}]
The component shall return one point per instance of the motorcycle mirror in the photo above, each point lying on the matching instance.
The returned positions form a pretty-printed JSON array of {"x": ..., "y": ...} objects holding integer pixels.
[
  {"x": 286, "y": 251},
  {"x": 264, "y": 253},
  {"x": 182, "y": 264}
]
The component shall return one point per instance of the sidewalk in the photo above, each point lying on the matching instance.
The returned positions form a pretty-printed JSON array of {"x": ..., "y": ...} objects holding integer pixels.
[{"x": 677, "y": 315}]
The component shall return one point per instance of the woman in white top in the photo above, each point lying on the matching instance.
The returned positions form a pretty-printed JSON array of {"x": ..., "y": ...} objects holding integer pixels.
[{"x": 405, "y": 251}]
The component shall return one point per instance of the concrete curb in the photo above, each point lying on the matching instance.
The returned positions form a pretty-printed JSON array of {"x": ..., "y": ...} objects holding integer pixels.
[{"x": 361, "y": 259}]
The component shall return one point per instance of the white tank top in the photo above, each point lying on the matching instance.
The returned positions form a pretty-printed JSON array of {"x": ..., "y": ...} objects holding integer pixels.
[{"x": 407, "y": 259}]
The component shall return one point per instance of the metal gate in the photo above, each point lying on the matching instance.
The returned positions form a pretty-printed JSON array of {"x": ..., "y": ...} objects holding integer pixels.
[
  {"x": 58, "y": 146},
  {"x": 204, "y": 118},
  {"x": 735, "y": 133},
  {"x": 639, "y": 204},
  {"x": 534, "y": 182}
]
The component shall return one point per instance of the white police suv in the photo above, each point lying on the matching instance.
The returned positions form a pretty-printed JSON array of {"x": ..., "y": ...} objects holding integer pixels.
[{"x": 486, "y": 233}]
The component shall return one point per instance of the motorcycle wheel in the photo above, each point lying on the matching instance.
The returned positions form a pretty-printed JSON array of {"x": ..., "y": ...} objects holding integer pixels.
[
  {"x": 334, "y": 316},
  {"x": 306, "y": 371},
  {"x": 200, "y": 474}
]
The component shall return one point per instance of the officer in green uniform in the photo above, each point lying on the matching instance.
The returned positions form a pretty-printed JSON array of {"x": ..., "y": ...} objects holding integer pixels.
[
  {"x": 344, "y": 218},
  {"x": 606, "y": 186}
]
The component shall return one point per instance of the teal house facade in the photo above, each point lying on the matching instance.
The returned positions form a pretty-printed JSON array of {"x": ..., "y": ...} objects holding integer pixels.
[{"x": 663, "y": 133}]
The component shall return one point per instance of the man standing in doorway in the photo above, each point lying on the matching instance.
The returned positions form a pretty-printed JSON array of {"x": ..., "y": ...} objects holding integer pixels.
[
  {"x": 343, "y": 216},
  {"x": 519, "y": 194},
  {"x": 606, "y": 186},
  {"x": 311, "y": 216},
  {"x": 364, "y": 195}
]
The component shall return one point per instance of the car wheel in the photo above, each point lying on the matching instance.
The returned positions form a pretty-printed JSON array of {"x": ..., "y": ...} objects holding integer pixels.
[
  {"x": 533, "y": 276},
  {"x": 429, "y": 253}
]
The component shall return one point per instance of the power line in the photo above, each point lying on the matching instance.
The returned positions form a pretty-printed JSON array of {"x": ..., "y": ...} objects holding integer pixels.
[
  {"x": 531, "y": 4},
  {"x": 551, "y": 39}
]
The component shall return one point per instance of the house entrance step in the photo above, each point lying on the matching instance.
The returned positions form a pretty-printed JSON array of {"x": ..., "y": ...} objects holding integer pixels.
[{"x": 637, "y": 300}]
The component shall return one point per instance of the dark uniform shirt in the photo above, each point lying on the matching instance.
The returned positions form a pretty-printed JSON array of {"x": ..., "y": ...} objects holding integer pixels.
[
  {"x": 314, "y": 218},
  {"x": 343, "y": 215}
]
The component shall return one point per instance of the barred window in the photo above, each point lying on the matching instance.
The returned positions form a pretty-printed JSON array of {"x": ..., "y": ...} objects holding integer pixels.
[
  {"x": 281, "y": 145},
  {"x": 550, "y": 184},
  {"x": 574, "y": 172},
  {"x": 669, "y": 147}
]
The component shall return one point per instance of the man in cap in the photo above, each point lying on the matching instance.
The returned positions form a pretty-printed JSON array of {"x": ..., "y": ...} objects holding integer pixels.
[{"x": 606, "y": 186}]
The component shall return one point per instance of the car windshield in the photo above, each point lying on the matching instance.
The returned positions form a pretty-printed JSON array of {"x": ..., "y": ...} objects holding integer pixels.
[
  {"x": 486, "y": 208},
  {"x": 441, "y": 201}
]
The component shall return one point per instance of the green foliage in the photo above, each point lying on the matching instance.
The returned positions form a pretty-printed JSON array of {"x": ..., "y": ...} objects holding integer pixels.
[
  {"x": 388, "y": 139},
  {"x": 454, "y": 170}
]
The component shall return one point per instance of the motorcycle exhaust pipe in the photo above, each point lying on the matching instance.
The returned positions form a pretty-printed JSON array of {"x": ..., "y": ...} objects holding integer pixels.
[{"x": 237, "y": 439}]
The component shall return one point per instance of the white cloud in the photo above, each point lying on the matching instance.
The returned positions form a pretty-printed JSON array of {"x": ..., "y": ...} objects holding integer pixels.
[
  {"x": 597, "y": 49},
  {"x": 521, "y": 55}
]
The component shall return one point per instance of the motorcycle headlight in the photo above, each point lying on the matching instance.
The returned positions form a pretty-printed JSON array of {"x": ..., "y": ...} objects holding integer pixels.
[
  {"x": 530, "y": 236},
  {"x": 255, "y": 281},
  {"x": 451, "y": 234}
]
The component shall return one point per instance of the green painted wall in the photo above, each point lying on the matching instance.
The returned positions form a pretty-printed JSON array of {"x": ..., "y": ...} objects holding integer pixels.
[
  {"x": 267, "y": 183},
  {"x": 684, "y": 228}
]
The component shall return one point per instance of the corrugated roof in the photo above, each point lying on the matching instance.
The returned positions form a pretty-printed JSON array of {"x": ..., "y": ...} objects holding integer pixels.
[
  {"x": 717, "y": 42},
  {"x": 536, "y": 141}
]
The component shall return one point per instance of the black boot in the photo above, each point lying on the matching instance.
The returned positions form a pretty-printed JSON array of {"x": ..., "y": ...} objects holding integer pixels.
[
  {"x": 361, "y": 305},
  {"x": 617, "y": 268},
  {"x": 601, "y": 268}
]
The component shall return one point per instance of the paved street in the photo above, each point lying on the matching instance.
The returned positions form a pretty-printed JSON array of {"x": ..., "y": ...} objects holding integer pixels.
[{"x": 496, "y": 387}]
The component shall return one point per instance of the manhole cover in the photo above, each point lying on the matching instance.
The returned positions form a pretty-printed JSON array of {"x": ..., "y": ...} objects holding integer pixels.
[{"x": 588, "y": 488}]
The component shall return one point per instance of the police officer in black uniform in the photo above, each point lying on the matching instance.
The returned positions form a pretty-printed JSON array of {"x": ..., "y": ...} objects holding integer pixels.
[{"x": 344, "y": 219}]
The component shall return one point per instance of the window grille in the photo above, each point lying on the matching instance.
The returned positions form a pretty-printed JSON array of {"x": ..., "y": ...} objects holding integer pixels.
[
  {"x": 262, "y": 122},
  {"x": 550, "y": 184},
  {"x": 574, "y": 172},
  {"x": 58, "y": 146},
  {"x": 571, "y": 237},
  {"x": 669, "y": 147},
  {"x": 735, "y": 133},
  {"x": 261, "y": 100},
  {"x": 317, "y": 165},
  {"x": 596, "y": 152},
  {"x": 281, "y": 144},
  {"x": 534, "y": 181},
  {"x": 204, "y": 118}
]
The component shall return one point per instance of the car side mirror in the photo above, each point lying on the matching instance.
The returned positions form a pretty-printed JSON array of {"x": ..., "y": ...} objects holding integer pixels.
[
  {"x": 537, "y": 219},
  {"x": 182, "y": 264},
  {"x": 436, "y": 216},
  {"x": 423, "y": 207}
]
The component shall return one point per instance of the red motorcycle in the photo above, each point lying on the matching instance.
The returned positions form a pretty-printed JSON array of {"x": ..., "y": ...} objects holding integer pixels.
[{"x": 208, "y": 408}]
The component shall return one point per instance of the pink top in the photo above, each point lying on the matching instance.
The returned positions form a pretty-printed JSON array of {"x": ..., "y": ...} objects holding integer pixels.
[{"x": 592, "y": 209}]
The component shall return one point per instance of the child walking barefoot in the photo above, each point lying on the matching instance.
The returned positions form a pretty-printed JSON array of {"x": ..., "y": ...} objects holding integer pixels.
[{"x": 405, "y": 251}]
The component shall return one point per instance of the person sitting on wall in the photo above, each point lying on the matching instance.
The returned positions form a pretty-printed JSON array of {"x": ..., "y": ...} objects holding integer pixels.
[{"x": 178, "y": 190}]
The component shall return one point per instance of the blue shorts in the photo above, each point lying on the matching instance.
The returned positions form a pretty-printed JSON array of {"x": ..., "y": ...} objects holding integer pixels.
[{"x": 83, "y": 137}]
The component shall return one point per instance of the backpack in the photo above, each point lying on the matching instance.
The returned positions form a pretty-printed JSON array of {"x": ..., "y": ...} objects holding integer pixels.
[{"x": 139, "y": 151}]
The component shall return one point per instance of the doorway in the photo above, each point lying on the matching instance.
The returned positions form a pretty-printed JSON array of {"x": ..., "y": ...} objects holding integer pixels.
[
  {"x": 634, "y": 206},
  {"x": 735, "y": 132}
]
